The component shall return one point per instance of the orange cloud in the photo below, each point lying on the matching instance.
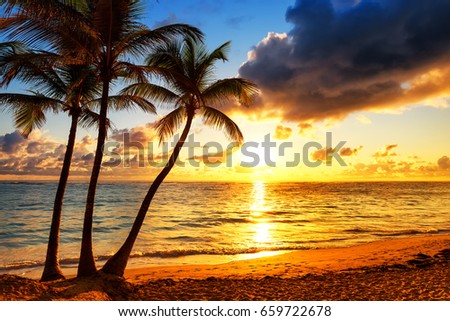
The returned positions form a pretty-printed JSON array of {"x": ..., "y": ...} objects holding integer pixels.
[
  {"x": 321, "y": 154},
  {"x": 444, "y": 163},
  {"x": 388, "y": 151},
  {"x": 414, "y": 168},
  {"x": 282, "y": 133},
  {"x": 348, "y": 151}
]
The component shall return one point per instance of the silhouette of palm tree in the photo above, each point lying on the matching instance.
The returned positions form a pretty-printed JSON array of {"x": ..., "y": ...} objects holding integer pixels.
[{"x": 187, "y": 69}]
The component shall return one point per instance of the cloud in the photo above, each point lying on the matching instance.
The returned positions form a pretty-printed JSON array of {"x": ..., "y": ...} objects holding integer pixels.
[
  {"x": 363, "y": 119},
  {"x": 352, "y": 56},
  {"x": 282, "y": 133},
  {"x": 411, "y": 169},
  {"x": 321, "y": 154},
  {"x": 388, "y": 151},
  {"x": 37, "y": 155},
  {"x": 305, "y": 127},
  {"x": 348, "y": 151},
  {"x": 444, "y": 163},
  {"x": 11, "y": 143}
]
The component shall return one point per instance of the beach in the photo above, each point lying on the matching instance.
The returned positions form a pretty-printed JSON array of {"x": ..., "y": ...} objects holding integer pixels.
[{"x": 413, "y": 268}]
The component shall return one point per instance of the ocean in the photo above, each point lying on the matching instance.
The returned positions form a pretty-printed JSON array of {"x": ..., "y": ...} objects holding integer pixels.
[{"x": 191, "y": 223}]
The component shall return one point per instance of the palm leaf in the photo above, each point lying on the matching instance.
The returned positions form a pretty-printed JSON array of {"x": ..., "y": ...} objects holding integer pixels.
[
  {"x": 39, "y": 23},
  {"x": 206, "y": 66},
  {"x": 124, "y": 102},
  {"x": 226, "y": 89},
  {"x": 88, "y": 119},
  {"x": 218, "y": 120},
  {"x": 29, "y": 110},
  {"x": 167, "y": 125},
  {"x": 151, "y": 91}
]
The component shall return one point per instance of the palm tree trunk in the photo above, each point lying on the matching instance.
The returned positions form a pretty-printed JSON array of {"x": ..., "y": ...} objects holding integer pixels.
[
  {"x": 86, "y": 265},
  {"x": 52, "y": 270},
  {"x": 117, "y": 263}
]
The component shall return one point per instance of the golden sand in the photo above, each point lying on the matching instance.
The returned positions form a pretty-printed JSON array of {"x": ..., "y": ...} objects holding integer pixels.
[{"x": 415, "y": 268}]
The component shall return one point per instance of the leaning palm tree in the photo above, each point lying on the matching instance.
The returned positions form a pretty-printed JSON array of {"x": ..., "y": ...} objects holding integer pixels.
[
  {"x": 106, "y": 33},
  {"x": 187, "y": 69},
  {"x": 73, "y": 89}
]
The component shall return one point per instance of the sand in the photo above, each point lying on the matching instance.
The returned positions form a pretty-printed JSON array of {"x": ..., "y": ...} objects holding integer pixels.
[{"x": 415, "y": 268}]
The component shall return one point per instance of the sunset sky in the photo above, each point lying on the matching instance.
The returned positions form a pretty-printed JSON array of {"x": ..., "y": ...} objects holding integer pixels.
[{"x": 375, "y": 74}]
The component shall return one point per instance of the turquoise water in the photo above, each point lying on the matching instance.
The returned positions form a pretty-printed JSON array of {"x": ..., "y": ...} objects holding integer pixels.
[{"x": 217, "y": 222}]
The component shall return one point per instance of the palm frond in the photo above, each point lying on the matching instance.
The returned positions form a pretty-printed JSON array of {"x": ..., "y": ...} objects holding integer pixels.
[
  {"x": 38, "y": 67},
  {"x": 113, "y": 20},
  {"x": 175, "y": 30},
  {"x": 206, "y": 65},
  {"x": 142, "y": 41},
  {"x": 49, "y": 7},
  {"x": 124, "y": 102},
  {"x": 218, "y": 120},
  {"x": 226, "y": 89},
  {"x": 29, "y": 110},
  {"x": 167, "y": 125},
  {"x": 88, "y": 119},
  {"x": 49, "y": 24},
  {"x": 13, "y": 102},
  {"x": 150, "y": 91},
  {"x": 131, "y": 72}
]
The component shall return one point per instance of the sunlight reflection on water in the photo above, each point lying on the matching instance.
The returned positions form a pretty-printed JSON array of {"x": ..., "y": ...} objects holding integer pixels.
[{"x": 218, "y": 222}]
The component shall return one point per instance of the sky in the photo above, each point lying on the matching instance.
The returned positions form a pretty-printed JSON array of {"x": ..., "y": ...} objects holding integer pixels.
[{"x": 350, "y": 90}]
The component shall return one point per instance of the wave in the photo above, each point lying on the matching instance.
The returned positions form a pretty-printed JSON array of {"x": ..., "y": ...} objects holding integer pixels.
[
  {"x": 412, "y": 232},
  {"x": 177, "y": 253},
  {"x": 169, "y": 254},
  {"x": 186, "y": 238}
]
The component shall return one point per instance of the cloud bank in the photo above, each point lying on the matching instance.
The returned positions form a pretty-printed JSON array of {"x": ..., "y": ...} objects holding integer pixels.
[
  {"x": 40, "y": 155},
  {"x": 346, "y": 56}
]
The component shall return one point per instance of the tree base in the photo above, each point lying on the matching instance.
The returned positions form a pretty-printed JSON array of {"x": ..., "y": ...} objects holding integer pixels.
[{"x": 52, "y": 275}]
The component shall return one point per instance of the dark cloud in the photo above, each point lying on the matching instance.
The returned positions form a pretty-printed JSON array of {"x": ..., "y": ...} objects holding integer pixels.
[
  {"x": 41, "y": 155},
  {"x": 10, "y": 143},
  {"x": 339, "y": 58},
  {"x": 88, "y": 157}
]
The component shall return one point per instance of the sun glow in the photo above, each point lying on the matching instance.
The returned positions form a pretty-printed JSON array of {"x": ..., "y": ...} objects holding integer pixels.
[
  {"x": 262, "y": 226},
  {"x": 258, "y": 206}
]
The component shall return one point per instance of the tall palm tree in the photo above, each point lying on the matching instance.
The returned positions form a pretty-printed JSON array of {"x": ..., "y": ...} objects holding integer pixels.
[
  {"x": 187, "y": 69},
  {"x": 121, "y": 36},
  {"x": 106, "y": 33},
  {"x": 73, "y": 89}
]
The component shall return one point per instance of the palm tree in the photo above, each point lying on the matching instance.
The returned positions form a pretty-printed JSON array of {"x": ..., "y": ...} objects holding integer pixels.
[
  {"x": 73, "y": 89},
  {"x": 187, "y": 69},
  {"x": 106, "y": 34},
  {"x": 120, "y": 37}
]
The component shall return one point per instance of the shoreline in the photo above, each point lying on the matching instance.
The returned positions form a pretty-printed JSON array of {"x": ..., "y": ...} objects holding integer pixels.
[
  {"x": 300, "y": 262},
  {"x": 414, "y": 268}
]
